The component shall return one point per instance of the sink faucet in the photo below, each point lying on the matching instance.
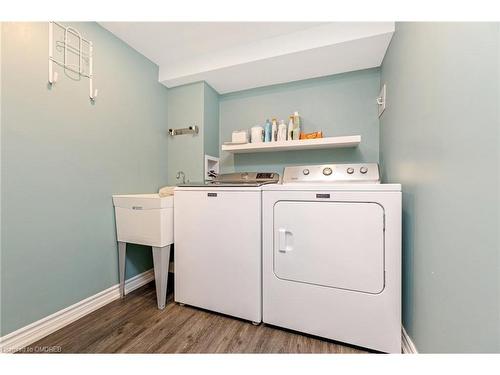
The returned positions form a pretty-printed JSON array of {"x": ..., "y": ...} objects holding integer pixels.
[{"x": 182, "y": 175}]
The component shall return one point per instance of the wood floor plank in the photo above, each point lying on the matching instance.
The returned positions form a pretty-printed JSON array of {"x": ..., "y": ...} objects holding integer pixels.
[{"x": 135, "y": 325}]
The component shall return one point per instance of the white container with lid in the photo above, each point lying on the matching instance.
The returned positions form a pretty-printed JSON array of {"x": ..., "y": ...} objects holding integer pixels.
[
  {"x": 239, "y": 136},
  {"x": 257, "y": 134}
]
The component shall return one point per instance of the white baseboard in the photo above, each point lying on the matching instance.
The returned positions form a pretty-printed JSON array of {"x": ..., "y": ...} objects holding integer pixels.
[
  {"x": 27, "y": 335},
  {"x": 407, "y": 345}
]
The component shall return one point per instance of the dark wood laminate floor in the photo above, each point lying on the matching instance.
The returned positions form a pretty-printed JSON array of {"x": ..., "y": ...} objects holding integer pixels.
[{"x": 135, "y": 325}]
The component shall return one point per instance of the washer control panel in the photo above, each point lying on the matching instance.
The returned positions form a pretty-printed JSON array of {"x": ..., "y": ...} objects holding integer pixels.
[{"x": 332, "y": 173}]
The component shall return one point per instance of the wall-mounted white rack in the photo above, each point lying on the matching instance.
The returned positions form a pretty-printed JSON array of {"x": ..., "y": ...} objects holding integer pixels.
[
  {"x": 304, "y": 144},
  {"x": 78, "y": 50}
]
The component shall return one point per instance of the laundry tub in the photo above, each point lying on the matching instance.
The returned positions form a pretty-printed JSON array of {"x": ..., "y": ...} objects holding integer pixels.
[{"x": 146, "y": 219}]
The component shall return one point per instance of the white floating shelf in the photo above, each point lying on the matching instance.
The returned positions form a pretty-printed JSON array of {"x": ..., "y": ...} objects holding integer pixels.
[{"x": 305, "y": 144}]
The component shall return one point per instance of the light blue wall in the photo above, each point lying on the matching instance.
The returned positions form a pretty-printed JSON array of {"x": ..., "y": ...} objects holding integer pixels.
[
  {"x": 185, "y": 152},
  {"x": 338, "y": 105},
  {"x": 440, "y": 139},
  {"x": 211, "y": 121},
  {"x": 1, "y": 153},
  {"x": 62, "y": 159},
  {"x": 193, "y": 104}
]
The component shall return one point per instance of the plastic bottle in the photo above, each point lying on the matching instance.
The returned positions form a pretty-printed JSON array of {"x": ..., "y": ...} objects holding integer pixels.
[
  {"x": 267, "y": 131},
  {"x": 274, "y": 130},
  {"x": 282, "y": 130},
  {"x": 290, "y": 128},
  {"x": 296, "y": 126}
]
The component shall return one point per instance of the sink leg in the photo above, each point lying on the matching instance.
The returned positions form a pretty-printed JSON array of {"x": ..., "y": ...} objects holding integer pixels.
[
  {"x": 161, "y": 257},
  {"x": 122, "y": 250}
]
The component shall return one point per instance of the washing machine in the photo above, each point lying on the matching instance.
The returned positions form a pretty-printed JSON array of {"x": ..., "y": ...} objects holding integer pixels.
[
  {"x": 332, "y": 254},
  {"x": 217, "y": 236}
]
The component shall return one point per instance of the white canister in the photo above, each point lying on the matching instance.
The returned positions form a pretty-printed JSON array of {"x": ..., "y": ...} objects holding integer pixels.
[
  {"x": 239, "y": 136},
  {"x": 282, "y": 130},
  {"x": 257, "y": 134}
]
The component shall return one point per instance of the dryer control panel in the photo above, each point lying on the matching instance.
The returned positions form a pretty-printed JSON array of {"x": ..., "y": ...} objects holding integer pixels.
[{"x": 333, "y": 173}]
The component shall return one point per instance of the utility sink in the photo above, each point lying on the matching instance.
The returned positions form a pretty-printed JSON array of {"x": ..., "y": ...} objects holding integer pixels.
[{"x": 145, "y": 219}]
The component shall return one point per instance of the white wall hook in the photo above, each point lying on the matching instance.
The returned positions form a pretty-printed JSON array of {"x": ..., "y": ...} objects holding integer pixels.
[
  {"x": 53, "y": 77},
  {"x": 93, "y": 96},
  {"x": 381, "y": 100}
]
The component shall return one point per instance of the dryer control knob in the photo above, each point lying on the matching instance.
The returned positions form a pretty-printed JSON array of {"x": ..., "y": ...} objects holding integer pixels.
[
  {"x": 350, "y": 170},
  {"x": 305, "y": 171},
  {"x": 327, "y": 171},
  {"x": 363, "y": 170}
]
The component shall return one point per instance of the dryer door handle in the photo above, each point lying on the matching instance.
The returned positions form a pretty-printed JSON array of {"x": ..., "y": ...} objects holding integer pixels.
[{"x": 283, "y": 246}]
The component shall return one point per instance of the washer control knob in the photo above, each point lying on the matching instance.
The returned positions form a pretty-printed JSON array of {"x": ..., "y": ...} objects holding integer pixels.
[
  {"x": 305, "y": 171},
  {"x": 363, "y": 170},
  {"x": 350, "y": 170},
  {"x": 327, "y": 171}
]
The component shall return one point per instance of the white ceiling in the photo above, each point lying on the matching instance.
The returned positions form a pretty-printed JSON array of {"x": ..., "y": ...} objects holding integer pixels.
[
  {"x": 170, "y": 42},
  {"x": 233, "y": 56}
]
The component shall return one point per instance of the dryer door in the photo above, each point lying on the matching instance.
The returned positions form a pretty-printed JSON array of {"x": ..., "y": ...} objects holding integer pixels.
[{"x": 332, "y": 244}]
